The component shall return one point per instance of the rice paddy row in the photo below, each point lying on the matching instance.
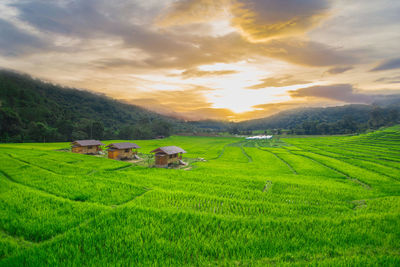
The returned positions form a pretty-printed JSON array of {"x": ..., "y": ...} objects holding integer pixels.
[{"x": 309, "y": 201}]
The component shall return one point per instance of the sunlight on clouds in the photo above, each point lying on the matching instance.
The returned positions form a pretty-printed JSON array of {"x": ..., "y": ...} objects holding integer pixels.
[
  {"x": 221, "y": 27},
  {"x": 198, "y": 59}
]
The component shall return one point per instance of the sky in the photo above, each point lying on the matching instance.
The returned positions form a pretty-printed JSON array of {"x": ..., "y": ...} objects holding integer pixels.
[{"x": 209, "y": 59}]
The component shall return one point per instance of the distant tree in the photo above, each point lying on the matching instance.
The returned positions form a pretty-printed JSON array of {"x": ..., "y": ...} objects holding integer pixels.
[
  {"x": 376, "y": 118},
  {"x": 110, "y": 133},
  {"x": 84, "y": 125},
  {"x": 142, "y": 132},
  {"x": 38, "y": 131},
  {"x": 97, "y": 130},
  {"x": 79, "y": 135},
  {"x": 393, "y": 116},
  {"x": 323, "y": 128},
  {"x": 310, "y": 127},
  {"x": 349, "y": 124},
  {"x": 159, "y": 127},
  {"x": 65, "y": 128},
  {"x": 126, "y": 132},
  {"x": 10, "y": 122},
  {"x": 234, "y": 130}
]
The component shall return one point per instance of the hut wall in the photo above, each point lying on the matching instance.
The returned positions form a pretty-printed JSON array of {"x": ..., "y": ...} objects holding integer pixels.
[
  {"x": 164, "y": 160},
  {"x": 161, "y": 160},
  {"x": 123, "y": 154},
  {"x": 92, "y": 150},
  {"x": 113, "y": 154},
  {"x": 77, "y": 149},
  {"x": 173, "y": 158}
]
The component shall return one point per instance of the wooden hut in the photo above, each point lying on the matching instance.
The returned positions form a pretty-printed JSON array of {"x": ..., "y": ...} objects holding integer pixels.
[
  {"x": 168, "y": 155},
  {"x": 122, "y": 150},
  {"x": 86, "y": 146}
]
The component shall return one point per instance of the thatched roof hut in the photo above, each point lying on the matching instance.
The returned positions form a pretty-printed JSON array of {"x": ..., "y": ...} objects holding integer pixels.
[
  {"x": 167, "y": 155},
  {"x": 86, "y": 146},
  {"x": 122, "y": 150}
]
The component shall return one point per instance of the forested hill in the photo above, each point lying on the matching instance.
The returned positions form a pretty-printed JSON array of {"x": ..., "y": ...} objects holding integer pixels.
[
  {"x": 33, "y": 110},
  {"x": 330, "y": 120}
]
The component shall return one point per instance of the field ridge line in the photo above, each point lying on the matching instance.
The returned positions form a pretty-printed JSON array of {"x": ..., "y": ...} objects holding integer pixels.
[
  {"x": 120, "y": 168},
  {"x": 249, "y": 158},
  {"x": 362, "y": 159},
  {"x": 30, "y": 163},
  {"x": 365, "y": 185},
  {"x": 50, "y": 194},
  {"x": 18, "y": 239},
  {"x": 284, "y": 161},
  {"x": 221, "y": 153}
]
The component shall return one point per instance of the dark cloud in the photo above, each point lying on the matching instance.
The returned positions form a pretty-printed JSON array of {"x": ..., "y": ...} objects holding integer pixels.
[
  {"x": 309, "y": 53},
  {"x": 395, "y": 79},
  {"x": 89, "y": 19},
  {"x": 338, "y": 70},
  {"x": 340, "y": 92},
  {"x": 83, "y": 18},
  {"x": 123, "y": 20},
  {"x": 388, "y": 65},
  {"x": 15, "y": 42},
  {"x": 281, "y": 81},
  {"x": 264, "y": 19}
]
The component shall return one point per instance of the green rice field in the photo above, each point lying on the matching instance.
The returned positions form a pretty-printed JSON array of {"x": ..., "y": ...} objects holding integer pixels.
[{"x": 322, "y": 201}]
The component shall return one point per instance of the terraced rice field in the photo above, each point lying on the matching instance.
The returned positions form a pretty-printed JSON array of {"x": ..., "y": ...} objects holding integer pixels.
[{"x": 327, "y": 201}]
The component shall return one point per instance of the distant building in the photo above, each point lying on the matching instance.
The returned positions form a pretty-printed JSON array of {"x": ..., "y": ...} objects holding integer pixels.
[
  {"x": 167, "y": 155},
  {"x": 259, "y": 137},
  {"x": 122, "y": 150},
  {"x": 86, "y": 146}
]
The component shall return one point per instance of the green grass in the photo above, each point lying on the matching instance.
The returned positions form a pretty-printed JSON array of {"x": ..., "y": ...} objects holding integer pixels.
[{"x": 317, "y": 201}]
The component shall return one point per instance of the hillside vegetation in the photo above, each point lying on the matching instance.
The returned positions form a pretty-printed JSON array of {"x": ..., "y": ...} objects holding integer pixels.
[
  {"x": 331, "y": 120},
  {"x": 33, "y": 110},
  {"x": 329, "y": 201}
]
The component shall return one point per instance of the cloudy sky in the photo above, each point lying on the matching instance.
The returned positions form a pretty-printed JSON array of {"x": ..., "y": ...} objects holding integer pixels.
[{"x": 219, "y": 59}]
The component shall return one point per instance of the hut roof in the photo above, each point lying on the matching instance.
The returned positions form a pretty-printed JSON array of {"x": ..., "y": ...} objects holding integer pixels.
[
  {"x": 125, "y": 145},
  {"x": 87, "y": 143},
  {"x": 169, "y": 150}
]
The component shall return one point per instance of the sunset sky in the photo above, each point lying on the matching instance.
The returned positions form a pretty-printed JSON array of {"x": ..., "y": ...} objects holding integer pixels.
[{"x": 218, "y": 59}]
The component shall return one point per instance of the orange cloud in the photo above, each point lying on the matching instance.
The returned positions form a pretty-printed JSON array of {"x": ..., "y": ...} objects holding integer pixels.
[
  {"x": 282, "y": 81},
  {"x": 257, "y": 20},
  {"x": 192, "y": 11},
  {"x": 196, "y": 73},
  {"x": 177, "y": 103},
  {"x": 261, "y": 20}
]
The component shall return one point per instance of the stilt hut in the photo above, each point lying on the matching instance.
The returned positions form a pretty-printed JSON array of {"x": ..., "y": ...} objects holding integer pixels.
[
  {"x": 86, "y": 146},
  {"x": 122, "y": 150},
  {"x": 167, "y": 155}
]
